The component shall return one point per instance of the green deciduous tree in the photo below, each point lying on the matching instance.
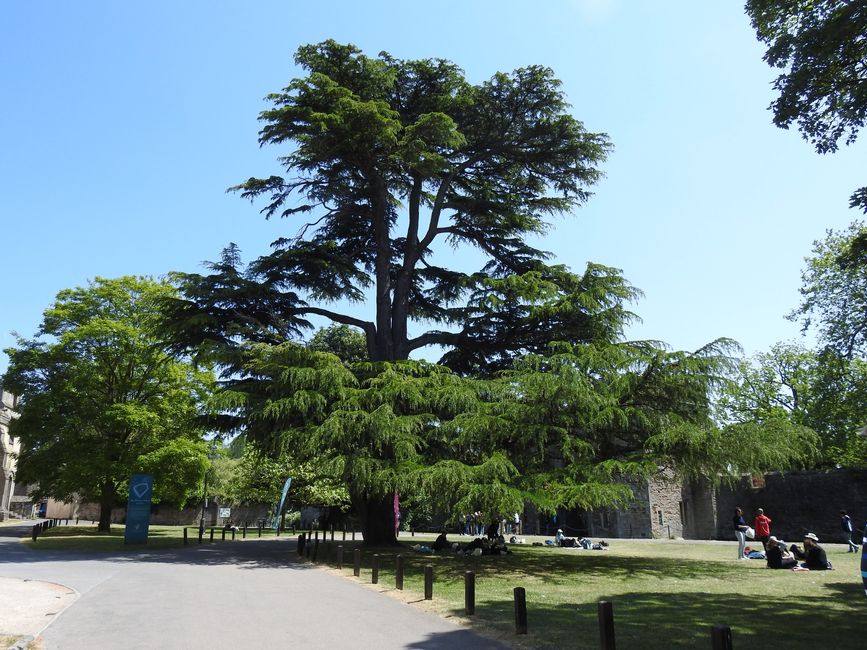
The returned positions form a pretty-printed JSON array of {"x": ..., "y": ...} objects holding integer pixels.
[
  {"x": 100, "y": 399},
  {"x": 834, "y": 292},
  {"x": 822, "y": 47},
  {"x": 347, "y": 343}
]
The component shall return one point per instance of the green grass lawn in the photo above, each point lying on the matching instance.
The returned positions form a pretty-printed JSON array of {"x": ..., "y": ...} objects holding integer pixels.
[
  {"x": 665, "y": 594},
  {"x": 86, "y": 538}
]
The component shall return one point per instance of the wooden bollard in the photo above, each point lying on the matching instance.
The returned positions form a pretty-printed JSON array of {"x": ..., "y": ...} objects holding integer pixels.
[
  {"x": 374, "y": 569},
  {"x": 344, "y": 533},
  {"x": 35, "y": 532},
  {"x": 186, "y": 541},
  {"x": 307, "y": 549},
  {"x": 223, "y": 533},
  {"x": 470, "y": 592},
  {"x": 212, "y": 535},
  {"x": 606, "y": 625},
  {"x": 721, "y": 637},
  {"x": 339, "y": 556},
  {"x": 260, "y": 531},
  {"x": 332, "y": 533},
  {"x": 398, "y": 572},
  {"x": 520, "y": 611},
  {"x": 315, "y": 550},
  {"x": 76, "y": 521},
  {"x": 233, "y": 534},
  {"x": 428, "y": 582},
  {"x": 244, "y": 532},
  {"x": 201, "y": 534},
  {"x": 353, "y": 535},
  {"x": 301, "y": 540},
  {"x": 356, "y": 562}
]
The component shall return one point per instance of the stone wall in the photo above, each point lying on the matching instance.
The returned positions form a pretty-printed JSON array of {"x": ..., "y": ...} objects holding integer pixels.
[
  {"x": 798, "y": 502},
  {"x": 164, "y": 515}
]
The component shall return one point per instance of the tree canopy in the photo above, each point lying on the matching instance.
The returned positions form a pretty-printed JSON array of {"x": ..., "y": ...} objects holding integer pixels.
[
  {"x": 822, "y": 47},
  {"x": 397, "y": 160},
  {"x": 101, "y": 399},
  {"x": 834, "y": 291},
  {"x": 537, "y": 397}
]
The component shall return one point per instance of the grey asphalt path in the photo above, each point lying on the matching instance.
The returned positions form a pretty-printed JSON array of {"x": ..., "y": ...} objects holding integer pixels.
[{"x": 229, "y": 595}]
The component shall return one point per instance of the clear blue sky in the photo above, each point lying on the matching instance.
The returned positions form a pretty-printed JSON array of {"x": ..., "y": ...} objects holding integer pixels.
[{"x": 122, "y": 123}]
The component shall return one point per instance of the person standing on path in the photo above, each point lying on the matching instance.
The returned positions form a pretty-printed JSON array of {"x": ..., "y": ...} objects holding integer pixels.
[
  {"x": 762, "y": 526},
  {"x": 846, "y": 525},
  {"x": 740, "y": 526}
]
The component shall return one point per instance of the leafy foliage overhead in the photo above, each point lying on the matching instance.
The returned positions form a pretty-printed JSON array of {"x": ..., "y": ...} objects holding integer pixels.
[
  {"x": 834, "y": 291},
  {"x": 822, "y": 47}
]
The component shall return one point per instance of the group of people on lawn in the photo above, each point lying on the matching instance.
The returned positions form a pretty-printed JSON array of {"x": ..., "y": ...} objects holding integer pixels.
[
  {"x": 811, "y": 557},
  {"x": 491, "y": 544}
]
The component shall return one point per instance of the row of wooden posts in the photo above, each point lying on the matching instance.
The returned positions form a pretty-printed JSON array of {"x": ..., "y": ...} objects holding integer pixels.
[
  {"x": 721, "y": 635},
  {"x": 42, "y": 526}
]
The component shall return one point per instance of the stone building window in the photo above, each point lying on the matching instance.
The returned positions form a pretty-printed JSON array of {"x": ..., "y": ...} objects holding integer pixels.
[
  {"x": 682, "y": 507},
  {"x": 659, "y": 516}
]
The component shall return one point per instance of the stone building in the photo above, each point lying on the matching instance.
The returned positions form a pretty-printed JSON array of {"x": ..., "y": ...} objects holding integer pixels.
[
  {"x": 9, "y": 449},
  {"x": 663, "y": 508}
]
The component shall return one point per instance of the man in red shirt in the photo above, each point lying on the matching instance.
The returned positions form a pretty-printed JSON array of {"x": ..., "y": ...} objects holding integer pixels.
[{"x": 762, "y": 526}]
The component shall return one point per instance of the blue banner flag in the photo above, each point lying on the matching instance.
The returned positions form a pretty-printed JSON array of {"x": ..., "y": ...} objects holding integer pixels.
[
  {"x": 279, "y": 510},
  {"x": 138, "y": 509}
]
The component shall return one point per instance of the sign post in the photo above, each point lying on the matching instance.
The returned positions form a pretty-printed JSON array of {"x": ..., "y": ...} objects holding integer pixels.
[{"x": 138, "y": 509}]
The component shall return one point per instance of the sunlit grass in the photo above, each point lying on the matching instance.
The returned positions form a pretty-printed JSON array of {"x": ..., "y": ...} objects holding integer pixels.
[{"x": 665, "y": 594}]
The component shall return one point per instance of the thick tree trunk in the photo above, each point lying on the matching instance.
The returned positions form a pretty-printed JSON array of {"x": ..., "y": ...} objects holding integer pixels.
[
  {"x": 106, "y": 502},
  {"x": 377, "y": 520},
  {"x": 104, "y": 518}
]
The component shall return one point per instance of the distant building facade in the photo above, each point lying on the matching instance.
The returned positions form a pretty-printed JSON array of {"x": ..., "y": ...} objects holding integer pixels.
[{"x": 9, "y": 449}]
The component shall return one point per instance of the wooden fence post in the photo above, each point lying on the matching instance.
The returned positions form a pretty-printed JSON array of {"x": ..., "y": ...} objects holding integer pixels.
[
  {"x": 301, "y": 540},
  {"x": 356, "y": 562},
  {"x": 520, "y": 610},
  {"x": 428, "y": 582},
  {"x": 374, "y": 574},
  {"x": 398, "y": 572},
  {"x": 186, "y": 541},
  {"x": 606, "y": 625},
  {"x": 470, "y": 592},
  {"x": 721, "y": 637},
  {"x": 340, "y": 556},
  {"x": 212, "y": 535}
]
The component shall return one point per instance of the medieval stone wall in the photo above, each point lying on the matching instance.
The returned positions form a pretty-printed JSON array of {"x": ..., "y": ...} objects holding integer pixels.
[{"x": 798, "y": 503}]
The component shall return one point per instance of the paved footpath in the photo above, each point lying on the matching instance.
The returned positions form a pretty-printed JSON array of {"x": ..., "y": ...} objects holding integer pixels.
[{"x": 229, "y": 595}]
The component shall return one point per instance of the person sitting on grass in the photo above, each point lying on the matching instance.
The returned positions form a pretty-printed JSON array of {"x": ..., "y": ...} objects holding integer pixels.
[
  {"x": 813, "y": 555},
  {"x": 441, "y": 543},
  {"x": 777, "y": 555}
]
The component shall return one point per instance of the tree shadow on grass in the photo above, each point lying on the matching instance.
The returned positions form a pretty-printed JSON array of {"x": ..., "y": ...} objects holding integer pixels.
[{"x": 684, "y": 620}]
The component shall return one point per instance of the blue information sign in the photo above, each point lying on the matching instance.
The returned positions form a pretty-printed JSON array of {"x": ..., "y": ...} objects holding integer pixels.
[{"x": 138, "y": 509}]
